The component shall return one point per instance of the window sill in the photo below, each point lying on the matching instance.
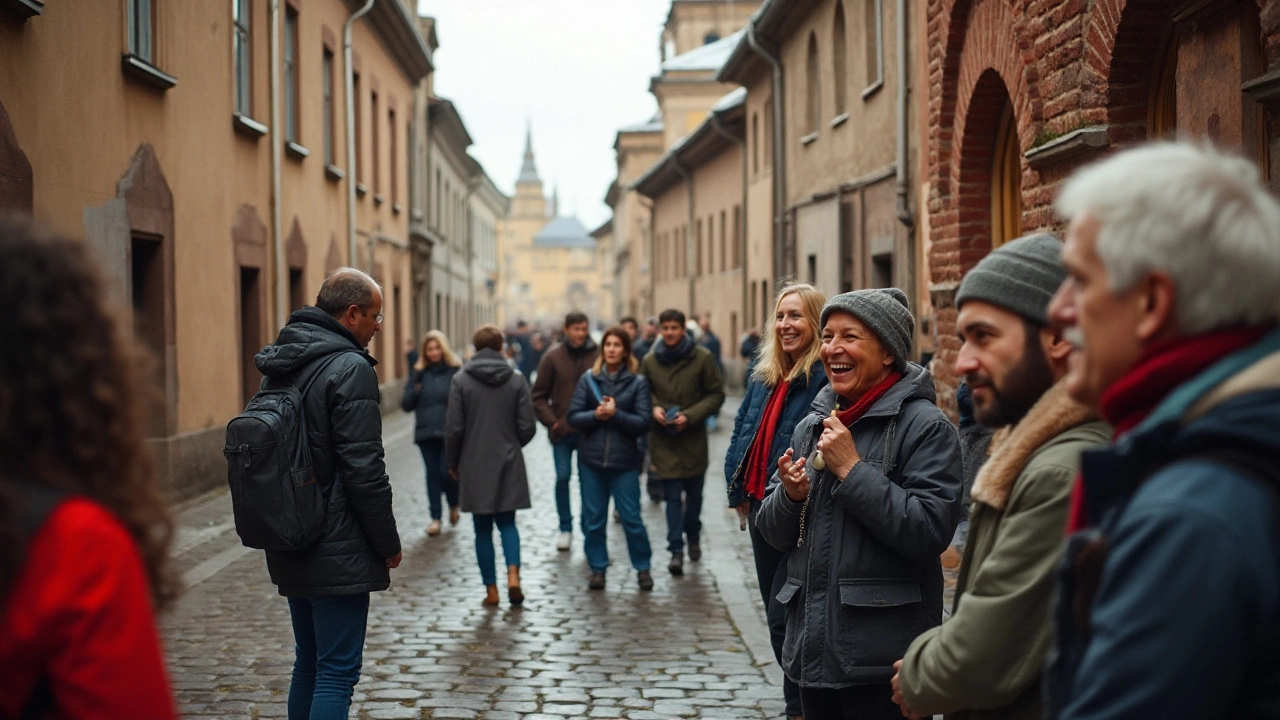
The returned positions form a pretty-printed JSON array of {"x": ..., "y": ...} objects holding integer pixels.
[
  {"x": 23, "y": 8},
  {"x": 396, "y": 208},
  {"x": 361, "y": 189},
  {"x": 143, "y": 71},
  {"x": 247, "y": 126},
  {"x": 875, "y": 88},
  {"x": 808, "y": 139},
  {"x": 333, "y": 172},
  {"x": 378, "y": 199},
  {"x": 296, "y": 151},
  {"x": 839, "y": 120}
]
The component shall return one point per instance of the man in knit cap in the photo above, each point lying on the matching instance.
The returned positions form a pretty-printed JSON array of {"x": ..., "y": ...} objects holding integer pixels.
[{"x": 985, "y": 661}]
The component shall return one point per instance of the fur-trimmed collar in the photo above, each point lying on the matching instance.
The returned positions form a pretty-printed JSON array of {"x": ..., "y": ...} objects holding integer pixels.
[{"x": 1012, "y": 446}]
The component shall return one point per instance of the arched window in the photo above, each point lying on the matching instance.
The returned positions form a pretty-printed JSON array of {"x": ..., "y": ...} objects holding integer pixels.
[
  {"x": 755, "y": 142},
  {"x": 1162, "y": 119},
  {"x": 710, "y": 37},
  {"x": 813, "y": 109},
  {"x": 873, "y": 42},
  {"x": 1006, "y": 181},
  {"x": 839, "y": 59}
]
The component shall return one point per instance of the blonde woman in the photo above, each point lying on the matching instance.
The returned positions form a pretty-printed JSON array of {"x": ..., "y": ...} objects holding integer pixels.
[
  {"x": 427, "y": 396},
  {"x": 788, "y": 375}
]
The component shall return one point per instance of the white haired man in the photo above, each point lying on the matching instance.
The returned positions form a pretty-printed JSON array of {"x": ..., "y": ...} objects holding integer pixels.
[{"x": 1169, "y": 600}]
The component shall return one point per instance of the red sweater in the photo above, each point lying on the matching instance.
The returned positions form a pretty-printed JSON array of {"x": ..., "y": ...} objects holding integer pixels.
[{"x": 80, "y": 615}]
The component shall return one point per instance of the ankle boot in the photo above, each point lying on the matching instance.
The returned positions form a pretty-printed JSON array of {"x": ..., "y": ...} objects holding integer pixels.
[
  {"x": 490, "y": 594},
  {"x": 514, "y": 593}
]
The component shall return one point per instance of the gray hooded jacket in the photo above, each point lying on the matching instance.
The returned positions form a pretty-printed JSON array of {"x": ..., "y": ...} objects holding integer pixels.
[{"x": 866, "y": 580}]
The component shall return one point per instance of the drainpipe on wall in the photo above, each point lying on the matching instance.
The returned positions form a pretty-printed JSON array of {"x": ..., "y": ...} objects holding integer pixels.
[
  {"x": 351, "y": 129},
  {"x": 471, "y": 259},
  {"x": 690, "y": 248},
  {"x": 904, "y": 210},
  {"x": 742, "y": 223},
  {"x": 651, "y": 242},
  {"x": 277, "y": 159},
  {"x": 780, "y": 264}
]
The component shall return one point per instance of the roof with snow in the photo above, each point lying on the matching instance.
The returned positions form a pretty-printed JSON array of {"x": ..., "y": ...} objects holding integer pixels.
[
  {"x": 564, "y": 232},
  {"x": 708, "y": 57}
]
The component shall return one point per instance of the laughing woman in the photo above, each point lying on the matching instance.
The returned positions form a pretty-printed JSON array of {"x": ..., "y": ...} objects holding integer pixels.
[
  {"x": 788, "y": 374},
  {"x": 868, "y": 498}
]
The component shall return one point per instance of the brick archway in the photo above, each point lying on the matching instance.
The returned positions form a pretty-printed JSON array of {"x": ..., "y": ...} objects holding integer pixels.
[{"x": 16, "y": 182}]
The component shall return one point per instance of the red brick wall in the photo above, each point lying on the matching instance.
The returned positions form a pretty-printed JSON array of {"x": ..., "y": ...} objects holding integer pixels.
[{"x": 1066, "y": 64}]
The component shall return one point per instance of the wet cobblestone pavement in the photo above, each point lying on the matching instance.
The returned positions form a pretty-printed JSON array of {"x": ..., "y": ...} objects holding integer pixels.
[{"x": 694, "y": 647}]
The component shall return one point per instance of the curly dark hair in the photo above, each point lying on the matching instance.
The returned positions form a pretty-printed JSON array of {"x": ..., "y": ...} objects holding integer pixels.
[{"x": 70, "y": 401}]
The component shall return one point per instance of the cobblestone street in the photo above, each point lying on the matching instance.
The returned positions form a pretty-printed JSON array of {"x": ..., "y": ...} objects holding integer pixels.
[{"x": 694, "y": 647}]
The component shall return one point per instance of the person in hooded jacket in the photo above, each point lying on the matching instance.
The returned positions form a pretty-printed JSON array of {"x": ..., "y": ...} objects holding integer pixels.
[
  {"x": 784, "y": 383},
  {"x": 610, "y": 407},
  {"x": 490, "y": 419},
  {"x": 867, "y": 498},
  {"x": 328, "y": 585},
  {"x": 426, "y": 395}
]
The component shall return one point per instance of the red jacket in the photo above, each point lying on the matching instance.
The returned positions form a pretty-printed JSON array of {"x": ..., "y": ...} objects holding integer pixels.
[{"x": 80, "y": 616}]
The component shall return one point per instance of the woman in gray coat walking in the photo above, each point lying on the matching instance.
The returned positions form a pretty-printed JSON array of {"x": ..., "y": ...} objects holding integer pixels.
[{"x": 490, "y": 418}]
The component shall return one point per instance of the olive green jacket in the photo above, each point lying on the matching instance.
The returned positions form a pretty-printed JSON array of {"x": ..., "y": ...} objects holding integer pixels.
[
  {"x": 986, "y": 660},
  {"x": 692, "y": 382}
]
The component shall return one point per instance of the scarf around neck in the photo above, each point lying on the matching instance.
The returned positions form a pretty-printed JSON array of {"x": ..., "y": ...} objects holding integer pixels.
[{"x": 860, "y": 407}]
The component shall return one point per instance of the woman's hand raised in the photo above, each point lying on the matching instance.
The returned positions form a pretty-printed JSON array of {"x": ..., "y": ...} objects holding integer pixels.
[{"x": 795, "y": 480}]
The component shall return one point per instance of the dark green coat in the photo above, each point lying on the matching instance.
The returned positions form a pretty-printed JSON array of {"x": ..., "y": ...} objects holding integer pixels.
[{"x": 687, "y": 378}]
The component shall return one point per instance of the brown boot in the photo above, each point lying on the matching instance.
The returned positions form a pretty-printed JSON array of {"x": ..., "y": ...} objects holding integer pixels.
[
  {"x": 490, "y": 594},
  {"x": 453, "y": 517},
  {"x": 514, "y": 593}
]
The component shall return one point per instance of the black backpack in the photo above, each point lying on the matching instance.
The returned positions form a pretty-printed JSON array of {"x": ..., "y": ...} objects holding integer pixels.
[{"x": 276, "y": 500}]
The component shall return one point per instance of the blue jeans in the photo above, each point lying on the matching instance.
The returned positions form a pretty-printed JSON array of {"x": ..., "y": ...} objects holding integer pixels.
[
  {"x": 624, "y": 485},
  {"x": 506, "y": 523},
  {"x": 438, "y": 479},
  {"x": 683, "y": 518},
  {"x": 328, "y": 636},
  {"x": 562, "y": 451}
]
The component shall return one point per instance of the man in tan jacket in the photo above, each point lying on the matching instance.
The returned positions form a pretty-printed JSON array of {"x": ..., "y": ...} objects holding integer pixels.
[{"x": 985, "y": 662}]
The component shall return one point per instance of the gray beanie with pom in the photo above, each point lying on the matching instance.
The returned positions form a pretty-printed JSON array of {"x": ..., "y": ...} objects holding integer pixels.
[{"x": 885, "y": 312}]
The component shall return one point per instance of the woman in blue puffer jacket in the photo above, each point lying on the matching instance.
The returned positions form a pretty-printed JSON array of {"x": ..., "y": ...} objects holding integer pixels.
[
  {"x": 611, "y": 408},
  {"x": 427, "y": 396}
]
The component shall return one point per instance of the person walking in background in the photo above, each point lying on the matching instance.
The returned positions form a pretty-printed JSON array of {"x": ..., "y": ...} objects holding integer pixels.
[
  {"x": 986, "y": 660},
  {"x": 786, "y": 380},
  {"x": 868, "y": 498},
  {"x": 687, "y": 389},
  {"x": 1170, "y": 589},
  {"x": 86, "y": 527},
  {"x": 558, "y": 374},
  {"x": 632, "y": 327},
  {"x": 490, "y": 418},
  {"x": 708, "y": 340},
  {"x": 328, "y": 584},
  {"x": 611, "y": 408},
  {"x": 747, "y": 351},
  {"x": 426, "y": 394},
  {"x": 521, "y": 342},
  {"x": 645, "y": 342}
]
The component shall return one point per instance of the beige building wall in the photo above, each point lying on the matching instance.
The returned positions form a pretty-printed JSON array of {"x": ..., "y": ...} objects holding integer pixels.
[
  {"x": 449, "y": 200},
  {"x": 718, "y": 264},
  {"x": 684, "y": 100},
  {"x": 144, "y": 168},
  {"x": 636, "y": 153},
  {"x": 671, "y": 262},
  {"x": 759, "y": 229},
  {"x": 690, "y": 22},
  {"x": 488, "y": 205}
]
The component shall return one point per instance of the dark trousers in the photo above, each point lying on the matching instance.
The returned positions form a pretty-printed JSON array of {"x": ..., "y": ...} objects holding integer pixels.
[
  {"x": 438, "y": 479},
  {"x": 771, "y": 574},
  {"x": 859, "y": 702},
  {"x": 328, "y": 636},
  {"x": 684, "y": 515}
]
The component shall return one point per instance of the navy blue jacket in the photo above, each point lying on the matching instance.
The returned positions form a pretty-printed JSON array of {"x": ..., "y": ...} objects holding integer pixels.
[
  {"x": 612, "y": 444},
  {"x": 746, "y": 426},
  {"x": 426, "y": 395},
  {"x": 1185, "y": 622}
]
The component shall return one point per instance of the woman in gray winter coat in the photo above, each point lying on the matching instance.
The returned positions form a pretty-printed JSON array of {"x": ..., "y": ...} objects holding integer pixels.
[
  {"x": 427, "y": 396},
  {"x": 866, "y": 499},
  {"x": 490, "y": 419}
]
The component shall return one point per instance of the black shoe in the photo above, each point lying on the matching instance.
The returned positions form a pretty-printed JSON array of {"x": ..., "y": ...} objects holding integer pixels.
[
  {"x": 596, "y": 582},
  {"x": 695, "y": 552},
  {"x": 676, "y": 566},
  {"x": 646, "y": 580}
]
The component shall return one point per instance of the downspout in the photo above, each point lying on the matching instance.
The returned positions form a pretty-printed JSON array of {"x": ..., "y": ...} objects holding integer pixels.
[
  {"x": 650, "y": 261},
  {"x": 277, "y": 159},
  {"x": 690, "y": 248},
  {"x": 904, "y": 210},
  {"x": 351, "y": 129},
  {"x": 779, "y": 158},
  {"x": 471, "y": 258},
  {"x": 742, "y": 221}
]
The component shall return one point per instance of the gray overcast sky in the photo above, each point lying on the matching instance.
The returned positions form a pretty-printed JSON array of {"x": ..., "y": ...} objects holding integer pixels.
[{"x": 577, "y": 69}]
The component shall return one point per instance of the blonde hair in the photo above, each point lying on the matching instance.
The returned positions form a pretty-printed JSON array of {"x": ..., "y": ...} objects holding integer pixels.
[
  {"x": 449, "y": 358},
  {"x": 773, "y": 365},
  {"x": 624, "y": 337}
]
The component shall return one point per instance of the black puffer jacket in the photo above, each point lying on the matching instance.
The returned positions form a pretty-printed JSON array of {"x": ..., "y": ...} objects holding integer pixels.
[
  {"x": 345, "y": 429},
  {"x": 426, "y": 395},
  {"x": 615, "y": 443}
]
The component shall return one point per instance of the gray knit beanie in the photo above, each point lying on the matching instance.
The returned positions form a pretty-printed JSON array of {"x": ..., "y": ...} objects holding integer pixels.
[
  {"x": 1020, "y": 276},
  {"x": 885, "y": 312}
]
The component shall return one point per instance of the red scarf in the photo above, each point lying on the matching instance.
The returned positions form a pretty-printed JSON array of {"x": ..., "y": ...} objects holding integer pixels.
[
  {"x": 1159, "y": 371},
  {"x": 759, "y": 464},
  {"x": 858, "y": 409}
]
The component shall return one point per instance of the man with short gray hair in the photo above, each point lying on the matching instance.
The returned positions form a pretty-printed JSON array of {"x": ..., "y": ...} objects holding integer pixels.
[
  {"x": 1170, "y": 588},
  {"x": 328, "y": 584}
]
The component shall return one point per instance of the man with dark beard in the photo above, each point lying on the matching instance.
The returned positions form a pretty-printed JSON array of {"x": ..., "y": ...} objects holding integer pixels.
[{"x": 985, "y": 662}]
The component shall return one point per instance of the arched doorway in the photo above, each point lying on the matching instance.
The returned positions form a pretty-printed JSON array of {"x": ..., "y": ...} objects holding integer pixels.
[
  {"x": 1006, "y": 181},
  {"x": 16, "y": 187}
]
